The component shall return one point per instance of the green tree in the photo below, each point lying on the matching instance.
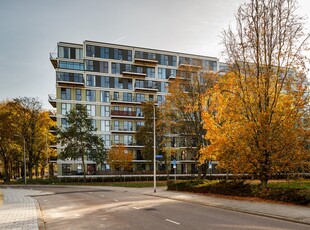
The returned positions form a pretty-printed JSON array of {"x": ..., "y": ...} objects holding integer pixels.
[
  {"x": 79, "y": 140},
  {"x": 258, "y": 108}
]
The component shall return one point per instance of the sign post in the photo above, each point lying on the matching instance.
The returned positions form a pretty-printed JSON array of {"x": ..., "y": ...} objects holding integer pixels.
[{"x": 174, "y": 162}]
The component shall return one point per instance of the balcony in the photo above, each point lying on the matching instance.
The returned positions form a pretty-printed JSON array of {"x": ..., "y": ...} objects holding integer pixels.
[
  {"x": 145, "y": 87},
  {"x": 53, "y": 59},
  {"x": 189, "y": 67},
  {"x": 52, "y": 100},
  {"x": 52, "y": 115},
  {"x": 134, "y": 74},
  {"x": 129, "y": 144},
  {"x": 122, "y": 129},
  {"x": 119, "y": 113},
  {"x": 146, "y": 62},
  {"x": 126, "y": 101}
]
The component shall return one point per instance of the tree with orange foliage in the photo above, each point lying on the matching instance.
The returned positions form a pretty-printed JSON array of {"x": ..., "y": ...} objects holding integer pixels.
[
  {"x": 120, "y": 158},
  {"x": 256, "y": 118}
]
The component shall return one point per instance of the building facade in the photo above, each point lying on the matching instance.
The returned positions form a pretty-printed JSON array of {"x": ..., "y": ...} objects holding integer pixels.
[{"x": 113, "y": 81}]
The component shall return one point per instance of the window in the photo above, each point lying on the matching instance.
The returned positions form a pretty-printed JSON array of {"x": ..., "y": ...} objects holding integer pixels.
[
  {"x": 91, "y": 110},
  {"x": 78, "y": 94},
  {"x": 151, "y": 97},
  {"x": 89, "y": 65},
  {"x": 116, "y": 125},
  {"x": 127, "y": 139},
  {"x": 116, "y": 68},
  {"x": 90, "y": 95},
  {"x": 106, "y": 139},
  {"x": 139, "y": 83},
  {"x": 116, "y": 139},
  {"x": 64, "y": 123},
  {"x": 127, "y": 125},
  {"x": 79, "y": 54},
  {"x": 128, "y": 109},
  {"x": 104, "y": 96},
  {"x": 164, "y": 87},
  {"x": 160, "y": 99},
  {"x": 65, "y": 94},
  {"x": 90, "y": 80},
  {"x": 104, "y": 52},
  {"x": 150, "y": 72},
  {"x": 105, "y": 111},
  {"x": 173, "y": 73},
  {"x": 127, "y": 97},
  {"x": 139, "y": 112},
  {"x": 161, "y": 73},
  {"x": 140, "y": 123},
  {"x": 140, "y": 97},
  {"x": 71, "y": 65},
  {"x": 103, "y": 67},
  {"x": 129, "y": 55},
  {"x": 65, "y": 108},
  {"x": 105, "y": 126},
  {"x": 115, "y": 96},
  {"x": 93, "y": 123},
  {"x": 90, "y": 51},
  {"x": 105, "y": 82}
]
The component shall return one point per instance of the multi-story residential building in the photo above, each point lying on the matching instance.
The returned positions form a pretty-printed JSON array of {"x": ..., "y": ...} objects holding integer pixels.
[{"x": 112, "y": 81}]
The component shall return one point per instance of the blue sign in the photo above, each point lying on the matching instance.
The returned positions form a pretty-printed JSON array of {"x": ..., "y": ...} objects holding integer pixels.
[
  {"x": 159, "y": 156},
  {"x": 174, "y": 162}
]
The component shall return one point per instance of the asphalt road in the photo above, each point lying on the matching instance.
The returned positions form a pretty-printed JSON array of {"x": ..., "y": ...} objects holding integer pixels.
[{"x": 100, "y": 208}]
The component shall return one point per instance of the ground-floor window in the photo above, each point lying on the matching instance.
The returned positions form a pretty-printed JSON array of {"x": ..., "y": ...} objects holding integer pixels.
[{"x": 66, "y": 169}]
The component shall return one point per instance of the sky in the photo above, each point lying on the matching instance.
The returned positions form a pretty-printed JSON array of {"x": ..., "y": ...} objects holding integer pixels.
[{"x": 30, "y": 30}]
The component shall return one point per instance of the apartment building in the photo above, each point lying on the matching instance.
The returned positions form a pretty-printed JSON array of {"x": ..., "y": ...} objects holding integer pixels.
[{"x": 113, "y": 81}]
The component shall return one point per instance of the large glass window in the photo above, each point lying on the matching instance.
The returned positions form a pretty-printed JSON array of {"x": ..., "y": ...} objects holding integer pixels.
[
  {"x": 128, "y": 139},
  {"x": 140, "y": 97},
  {"x": 105, "y": 126},
  {"x": 106, "y": 139},
  {"x": 116, "y": 139},
  {"x": 65, "y": 94},
  {"x": 90, "y": 51},
  {"x": 139, "y": 112},
  {"x": 90, "y": 95},
  {"x": 104, "y": 96},
  {"x": 150, "y": 72},
  {"x": 127, "y": 96},
  {"x": 105, "y": 111},
  {"x": 64, "y": 123},
  {"x": 116, "y": 125},
  {"x": 116, "y": 68},
  {"x": 91, "y": 80},
  {"x": 65, "y": 108},
  {"x": 78, "y": 94},
  {"x": 91, "y": 110},
  {"x": 127, "y": 125},
  {"x": 71, "y": 65},
  {"x": 89, "y": 65},
  {"x": 105, "y": 82},
  {"x": 161, "y": 73}
]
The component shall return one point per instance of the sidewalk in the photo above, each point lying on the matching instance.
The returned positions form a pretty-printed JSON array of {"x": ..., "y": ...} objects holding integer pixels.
[{"x": 19, "y": 210}]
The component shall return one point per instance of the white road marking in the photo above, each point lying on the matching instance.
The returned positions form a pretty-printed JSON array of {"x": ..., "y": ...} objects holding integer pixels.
[
  {"x": 102, "y": 195},
  {"x": 115, "y": 200},
  {"x": 136, "y": 208},
  {"x": 76, "y": 214},
  {"x": 90, "y": 192},
  {"x": 172, "y": 221}
]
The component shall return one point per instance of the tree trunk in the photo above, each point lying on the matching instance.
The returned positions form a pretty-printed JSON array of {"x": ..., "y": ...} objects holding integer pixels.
[
  {"x": 84, "y": 169},
  {"x": 264, "y": 183},
  {"x": 199, "y": 171},
  {"x": 6, "y": 176}
]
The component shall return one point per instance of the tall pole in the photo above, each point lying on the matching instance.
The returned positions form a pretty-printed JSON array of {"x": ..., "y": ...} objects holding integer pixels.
[
  {"x": 25, "y": 162},
  {"x": 154, "y": 166}
]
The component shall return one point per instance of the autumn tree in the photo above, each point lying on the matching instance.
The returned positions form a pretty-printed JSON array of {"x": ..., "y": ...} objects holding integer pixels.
[
  {"x": 79, "y": 140},
  {"x": 120, "y": 158},
  {"x": 255, "y": 122},
  {"x": 8, "y": 147},
  {"x": 184, "y": 107}
]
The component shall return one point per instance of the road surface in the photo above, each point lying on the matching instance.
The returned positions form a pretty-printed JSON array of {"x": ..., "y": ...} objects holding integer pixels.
[{"x": 108, "y": 208}]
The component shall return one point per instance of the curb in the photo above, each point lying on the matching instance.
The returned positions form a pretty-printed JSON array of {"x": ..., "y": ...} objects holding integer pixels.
[{"x": 232, "y": 209}]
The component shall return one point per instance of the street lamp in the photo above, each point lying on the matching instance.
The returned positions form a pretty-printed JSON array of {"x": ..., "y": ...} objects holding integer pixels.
[
  {"x": 25, "y": 178},
  {"x": 154, "y": 147}
]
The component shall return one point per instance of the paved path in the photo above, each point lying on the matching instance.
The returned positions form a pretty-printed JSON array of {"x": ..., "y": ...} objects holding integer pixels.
[{"x": 19, "y": 210}]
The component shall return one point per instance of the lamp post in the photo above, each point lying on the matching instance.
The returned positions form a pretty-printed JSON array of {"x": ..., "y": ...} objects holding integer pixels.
[
  {"x": 154, "y": 144},
  {"x": 154, "y": 166}
]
